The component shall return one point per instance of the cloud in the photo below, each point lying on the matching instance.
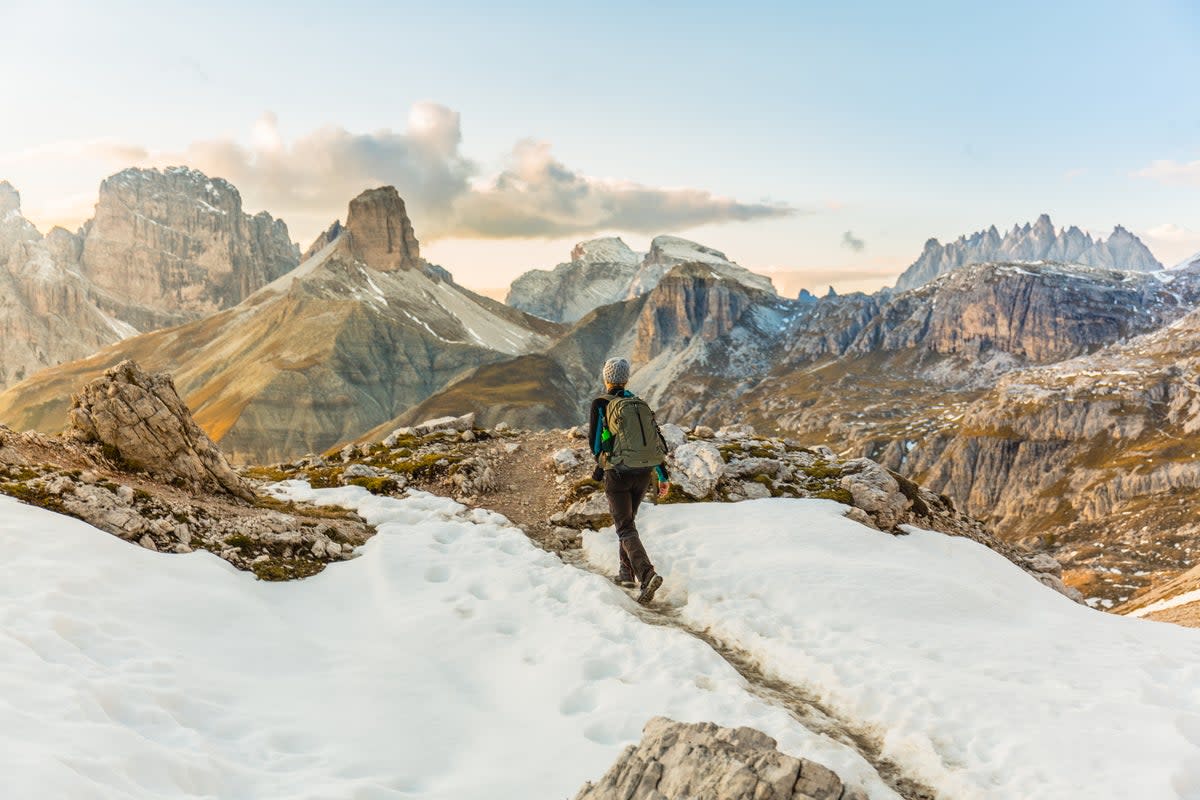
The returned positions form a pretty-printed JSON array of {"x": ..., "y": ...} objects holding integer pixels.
[
  {"x": 849, "y": 240},
  {"x": 1174, "y": 244},
  {"x": 309, "y": 180},
  {"x": 1172, "y": 172},
  {"x": 539, "y": 196}
]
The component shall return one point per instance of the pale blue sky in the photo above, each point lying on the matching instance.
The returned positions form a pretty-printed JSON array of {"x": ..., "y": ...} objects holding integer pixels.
[{"x": 897, "y": 122}]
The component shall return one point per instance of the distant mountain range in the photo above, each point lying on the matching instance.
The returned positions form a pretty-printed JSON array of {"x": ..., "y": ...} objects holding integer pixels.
[
  {"x": 1036, "y": 242},
  {"x": 164, "y": 247},
  {"x": 603, "y": 271}
]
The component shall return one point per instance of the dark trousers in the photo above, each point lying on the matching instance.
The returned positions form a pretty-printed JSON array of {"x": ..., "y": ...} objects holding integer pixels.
[{"x": 625, "y": 490}]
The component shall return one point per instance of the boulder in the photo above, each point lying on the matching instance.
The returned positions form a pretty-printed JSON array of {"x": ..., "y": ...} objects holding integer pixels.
[
  {"x": 696, "y": 467},
  {"x": 674, "y": 435},
  {"x": 464, "y": 423},
  {"x": 875, "y": 491},
  {"x": 140, "y": 421},
  {"x": 749, "y": 467},
  {"x": 742, "y": 431},
  {"x": 590, "y": 512},
  {"x": 564, "y": 460},
  {"x": 703, "y": 761}
]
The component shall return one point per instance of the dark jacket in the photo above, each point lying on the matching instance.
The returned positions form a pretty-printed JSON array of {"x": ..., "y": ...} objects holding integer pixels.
[{"x": 597, "y": 425}]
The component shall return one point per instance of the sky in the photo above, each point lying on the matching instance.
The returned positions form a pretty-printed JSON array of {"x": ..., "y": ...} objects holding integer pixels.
[{"x": 821, "y": 142}]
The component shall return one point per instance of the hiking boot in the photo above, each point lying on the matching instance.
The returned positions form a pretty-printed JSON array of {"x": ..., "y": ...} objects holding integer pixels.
[
  {"x": 649, "y": 588},
  {"x": 624, "y": 578}
]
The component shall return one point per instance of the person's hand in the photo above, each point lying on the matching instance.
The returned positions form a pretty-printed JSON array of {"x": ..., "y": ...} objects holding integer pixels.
[{"x": 663, "y": 488}]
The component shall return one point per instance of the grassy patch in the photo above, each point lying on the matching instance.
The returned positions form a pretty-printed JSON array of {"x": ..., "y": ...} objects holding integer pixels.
[
  {"x": 34, "y": 496},
  {"x": 241, "y": 541},
  {"x": 674, "y": 495},
  {"x": 270, "y": 474},
  {"x": 286, "y": 569},
  {"x": 379, "y": 485},
  {"x": 822, "y": 470},
  {"x": 836, "y": 493}
]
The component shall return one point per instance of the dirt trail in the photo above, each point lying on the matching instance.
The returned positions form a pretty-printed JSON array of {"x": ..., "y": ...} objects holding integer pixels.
[{"x": 527, "y": 494}]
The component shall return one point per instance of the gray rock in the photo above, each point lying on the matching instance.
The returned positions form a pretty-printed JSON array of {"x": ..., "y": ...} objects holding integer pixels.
[
  {"x": 703, "y": 761},
  {"x": 735, "y": 431},
  {"x": 754, "y": 490},
  {"x": 875, "y": 491},
  {"x": 673, "y": 434},
  {"x": 464, "y": 423},
  {"x": 564, "y": 460},
  {"x": 703, "y": 432},
  {"x": 142, "y": 420},
  {"x": 696, "y": 467},
  {"x": 590, "y": 512},
  {"x": 359, "y": 471},
  {"x": 749, "y": 467}
]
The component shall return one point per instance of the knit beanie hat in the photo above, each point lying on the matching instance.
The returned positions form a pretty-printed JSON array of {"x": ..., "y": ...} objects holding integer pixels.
[{"x": 616, "y": 372}]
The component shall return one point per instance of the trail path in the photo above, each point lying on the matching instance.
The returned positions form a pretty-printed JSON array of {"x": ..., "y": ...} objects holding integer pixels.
[{"x": 527, "y": 494}]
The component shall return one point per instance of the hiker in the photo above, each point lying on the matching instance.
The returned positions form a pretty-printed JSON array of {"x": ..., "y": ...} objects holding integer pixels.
[{"x": 628, "y": 447}]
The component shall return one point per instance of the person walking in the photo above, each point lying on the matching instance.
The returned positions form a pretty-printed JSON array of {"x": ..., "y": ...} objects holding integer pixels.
[{"x": 628, "y": 447}]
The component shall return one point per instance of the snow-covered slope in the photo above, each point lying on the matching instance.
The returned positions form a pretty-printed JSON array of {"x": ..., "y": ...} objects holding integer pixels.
[
  {"x": 453, "y": 659},
  {"x": 604, "y": 271},
  {"x": 1193, "y": 261},
  {"x": 984, "y": 683}
]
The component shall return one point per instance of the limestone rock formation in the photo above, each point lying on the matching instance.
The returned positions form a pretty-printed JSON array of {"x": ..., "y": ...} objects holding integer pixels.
[
  {"x": 141, "y": 421},
  {"x": 46, "y": 313},
  {"x": 604, "y": 271},
  {"x": 379, "y": 232},
  {"x": 1036, "y": 242},
  {"x": 703, "y": 761},
  {"x": 168, "y": 246}
]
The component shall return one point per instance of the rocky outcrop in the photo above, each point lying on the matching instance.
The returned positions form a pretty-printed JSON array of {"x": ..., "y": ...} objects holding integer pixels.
[
  {"x": 604, "y": 271},
  {"x": 1038, "y": 314},
  {"x": 703, "y": 761},
  {"x": 691, "y": 302},
  {"x": 1036, "y": 242},
  {"x": 168, "y": 246},
  {"x": 379, "y": 233},
  {"x": 139, "y": 420}
]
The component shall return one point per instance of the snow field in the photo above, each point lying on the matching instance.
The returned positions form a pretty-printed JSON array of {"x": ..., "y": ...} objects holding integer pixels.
[
  {"x": 451, "y": 659},
  {"x": 982, "y": 682}
]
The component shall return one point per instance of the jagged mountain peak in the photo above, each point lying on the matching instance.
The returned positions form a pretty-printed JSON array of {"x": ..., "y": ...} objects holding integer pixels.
[
  {"x": 379, "y": 232},
  {"x": 606, "y": 250},
  {"x": 1037, "y": 241}
]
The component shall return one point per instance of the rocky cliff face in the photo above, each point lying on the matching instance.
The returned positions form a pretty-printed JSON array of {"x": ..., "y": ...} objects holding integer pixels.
[
  {"x": 603, "y": 271},
  {"x": 379, "y": 233},
  {"x": 46, "y": 312},
  {"x": 1036, "y": 242},
  {"x": 1104, "y": 446},
  {"x": 173, "y": 245}
]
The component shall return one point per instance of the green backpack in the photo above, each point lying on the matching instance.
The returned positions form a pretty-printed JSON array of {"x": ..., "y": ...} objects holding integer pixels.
[{"x": 635, "y": 441}]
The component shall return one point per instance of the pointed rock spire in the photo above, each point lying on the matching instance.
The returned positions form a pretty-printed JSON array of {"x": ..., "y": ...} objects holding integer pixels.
[{"x": 380, "y": 232}]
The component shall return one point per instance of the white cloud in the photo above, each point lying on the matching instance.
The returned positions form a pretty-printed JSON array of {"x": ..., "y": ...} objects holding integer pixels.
[
  {"x": 1172, "y": 172},
  {"x": 1173, "y": 243},
  {"x": 309, "y": 180}
]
